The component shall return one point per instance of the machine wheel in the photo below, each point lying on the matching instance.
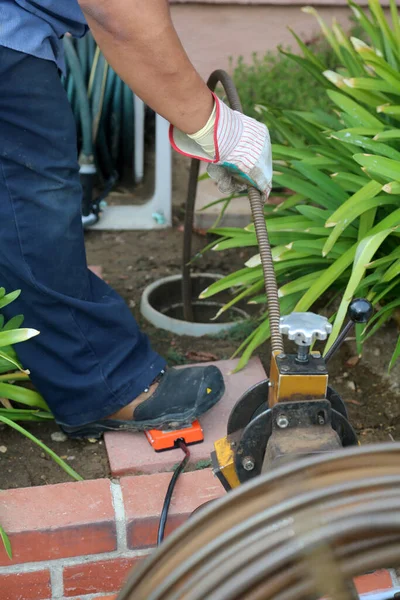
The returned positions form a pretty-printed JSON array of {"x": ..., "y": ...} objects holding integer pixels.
[
  {"x": 250, "y": 452},
  {"x": 255, "y": 401},
  {"x": 336, "y": 402}
]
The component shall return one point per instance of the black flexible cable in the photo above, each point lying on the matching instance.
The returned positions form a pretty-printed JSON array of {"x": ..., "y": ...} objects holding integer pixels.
[{"x": 168, "y": 496}]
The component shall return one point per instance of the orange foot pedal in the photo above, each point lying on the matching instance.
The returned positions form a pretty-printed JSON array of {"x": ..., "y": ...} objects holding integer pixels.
[{"x": 165, "y": 440}]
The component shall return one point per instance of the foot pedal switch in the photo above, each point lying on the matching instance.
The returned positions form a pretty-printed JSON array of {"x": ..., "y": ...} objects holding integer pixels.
[{"x": 166, "y": 440}]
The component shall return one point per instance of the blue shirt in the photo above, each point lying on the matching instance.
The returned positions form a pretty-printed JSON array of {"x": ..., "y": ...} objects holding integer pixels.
[{"x": 37, "y": 27}]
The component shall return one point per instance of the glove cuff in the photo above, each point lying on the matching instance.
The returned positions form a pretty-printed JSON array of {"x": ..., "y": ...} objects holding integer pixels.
[{"x": 182, "y": 143}]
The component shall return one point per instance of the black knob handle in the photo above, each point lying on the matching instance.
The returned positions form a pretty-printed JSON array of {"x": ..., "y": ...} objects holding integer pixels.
[{"x": 360, "y": 310}]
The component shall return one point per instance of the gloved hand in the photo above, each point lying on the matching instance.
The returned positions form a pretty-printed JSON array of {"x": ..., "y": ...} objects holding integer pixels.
[{"x": 237, "y": 147}]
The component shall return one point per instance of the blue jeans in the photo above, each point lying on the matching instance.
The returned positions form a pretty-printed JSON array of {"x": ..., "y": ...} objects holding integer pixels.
[{"x": 90, "y": 358}]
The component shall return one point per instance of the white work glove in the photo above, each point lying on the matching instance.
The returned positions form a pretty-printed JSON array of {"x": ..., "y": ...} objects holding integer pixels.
[{"x": 237, "y": 147}]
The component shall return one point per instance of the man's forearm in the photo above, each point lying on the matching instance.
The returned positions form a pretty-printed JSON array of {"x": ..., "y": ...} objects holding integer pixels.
[{"x": 139, "y": 41}]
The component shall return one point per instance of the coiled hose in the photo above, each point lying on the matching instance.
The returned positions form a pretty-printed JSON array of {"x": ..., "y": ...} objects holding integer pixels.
[
  {"x": 103, "y": 109},
  {"x": 302, "y": 531},
  {"x": 256, "y": 203}
]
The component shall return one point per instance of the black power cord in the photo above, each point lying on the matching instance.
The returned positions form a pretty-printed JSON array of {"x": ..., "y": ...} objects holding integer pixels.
[{"x": 167, "y": 501}]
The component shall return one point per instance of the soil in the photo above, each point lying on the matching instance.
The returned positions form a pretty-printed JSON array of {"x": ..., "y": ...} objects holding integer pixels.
[{"x": 130, "y": 261}]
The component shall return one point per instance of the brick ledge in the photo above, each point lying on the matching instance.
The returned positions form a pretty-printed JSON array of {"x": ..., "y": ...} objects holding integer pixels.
[{"x": 135, "y": 507}]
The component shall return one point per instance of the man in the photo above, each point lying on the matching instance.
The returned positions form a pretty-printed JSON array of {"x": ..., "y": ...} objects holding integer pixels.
[{"x": 93, "y": 365}]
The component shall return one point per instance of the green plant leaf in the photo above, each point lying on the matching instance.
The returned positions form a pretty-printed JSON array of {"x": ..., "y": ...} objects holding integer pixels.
[
  {"x": 46, "y": 449},
  {"x": 302, "y": 186},
  {"x": 362, "y": 202},
  {"x": 328, "y": 185},
  {"x": 386, "y": 167},
  {"x": 6, "y": 541},
  {"x": 392, "y": 271},
  {"x": 6, "y": 300},
  {"x": 22, "y": 395},
  {"x": 349, "y": 181},
  {"x": 9, "y": 360},
  {"x": 390, "y": 134},
  {"x": 14, "y": 376},
  {"x": 203, "y": 177},
  {"x": 257, "y": 286},
  {"x": 376, "y": 297},
  {"x": 242, "y": 277},
  {"x": 325, "y": 30},
  {"x": 240, "y": 241},
  {"x": 215, "y": 202},
  {"x": 392, "y": 188},
  {"x": 365, "y": 142},
  {"x": 359, "y": 116},
  {"x": 19, "y": 414},
  {"x": 369, "y": 83},
  {"x": 333, "y": 272},
  {"x": 285, "y": 152},
  {"x": 300, "y": 284},
  {"x": 369, "y": 191},
  {"x": 364, "y": 253},
  {"x": 387, "y": 34},
  {"x": 390, "y": 109},
  {"x": 16, "y": 336},
  {"x": 395, "y": 354},
  {"x": 396, "y": 22},
  {"x": 308, "y": 54},
  {"x": 390, "y": 258},
  {"x": 262, "y": 333},
  {"x": 13, "y": 323},
  {"x": 366, "y": 24}
]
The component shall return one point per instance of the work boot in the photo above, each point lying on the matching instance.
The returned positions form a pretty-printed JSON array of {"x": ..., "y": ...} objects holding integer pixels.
[{"x": 180, "y": 396}]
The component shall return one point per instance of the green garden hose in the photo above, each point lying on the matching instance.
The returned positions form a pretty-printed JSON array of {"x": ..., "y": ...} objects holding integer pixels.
[{"x": 102, "y": 105}]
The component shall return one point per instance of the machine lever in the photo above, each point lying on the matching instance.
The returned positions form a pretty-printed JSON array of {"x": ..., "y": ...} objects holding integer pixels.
[{"x": 360, "y": 311}]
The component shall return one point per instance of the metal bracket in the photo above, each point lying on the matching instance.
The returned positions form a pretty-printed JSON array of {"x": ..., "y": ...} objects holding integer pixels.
[{"x": 156, "y": 213}]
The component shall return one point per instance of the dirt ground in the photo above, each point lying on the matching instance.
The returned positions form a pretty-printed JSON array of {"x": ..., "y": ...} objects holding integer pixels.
[{"x": 130, "y": 261}]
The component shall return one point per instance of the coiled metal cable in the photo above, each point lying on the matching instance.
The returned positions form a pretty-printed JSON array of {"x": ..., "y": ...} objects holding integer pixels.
[
  {"x": 300, "y": 532},
  {"x": 256, "y": 204}
]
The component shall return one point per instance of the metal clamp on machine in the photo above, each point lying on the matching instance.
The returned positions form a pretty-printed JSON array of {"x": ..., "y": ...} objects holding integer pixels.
[{"x": 294, "y": 412}]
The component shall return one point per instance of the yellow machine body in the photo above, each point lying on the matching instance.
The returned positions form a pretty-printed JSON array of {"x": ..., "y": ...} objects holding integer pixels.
[
  {"x": 224, "y": 452},
  {"x": 283, "y": 388}
]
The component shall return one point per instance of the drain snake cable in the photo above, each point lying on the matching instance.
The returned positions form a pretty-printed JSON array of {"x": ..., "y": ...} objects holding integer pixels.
[{"x": 256, "y": 203}]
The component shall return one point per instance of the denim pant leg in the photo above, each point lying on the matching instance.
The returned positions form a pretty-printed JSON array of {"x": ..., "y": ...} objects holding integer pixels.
[{"x": 90, "y": 357}]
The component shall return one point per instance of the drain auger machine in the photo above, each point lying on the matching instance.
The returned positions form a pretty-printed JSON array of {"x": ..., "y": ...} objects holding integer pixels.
[{"x": 316, "y": 509}]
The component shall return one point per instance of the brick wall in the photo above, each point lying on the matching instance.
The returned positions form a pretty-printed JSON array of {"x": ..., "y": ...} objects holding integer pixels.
[{"x": 78, "y": 540}]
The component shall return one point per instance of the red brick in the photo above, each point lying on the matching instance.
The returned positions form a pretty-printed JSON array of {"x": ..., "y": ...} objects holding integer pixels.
[
  {"x": 58, "y": 521},
  {"x": 374, "y": 582},
  {"x": 130, "y": 453},
  {"x": 144, "y": 497},
  {"x": 95, "y": 577},
  {"x": 26, "y": 586}
]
